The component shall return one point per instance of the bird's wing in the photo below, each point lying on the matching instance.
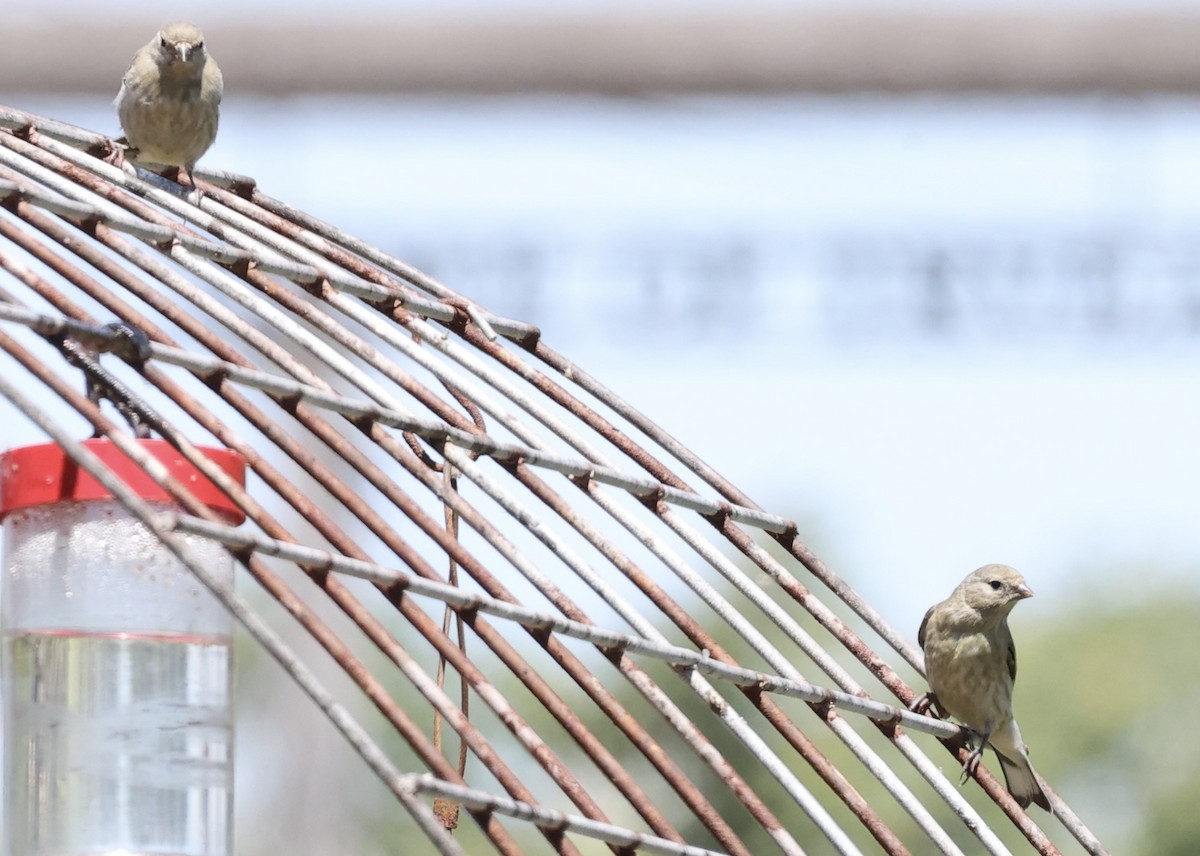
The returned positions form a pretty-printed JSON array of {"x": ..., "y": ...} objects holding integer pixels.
[
  {"x": 1012, "y": 658},
  {"x": 924, "y": 623},
  {"x": 127, "y": 77},
  {"x": 213, "y": 81}
]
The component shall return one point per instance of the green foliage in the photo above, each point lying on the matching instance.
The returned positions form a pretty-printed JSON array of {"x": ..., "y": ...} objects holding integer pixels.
[{"x": 1105, "y": 698}]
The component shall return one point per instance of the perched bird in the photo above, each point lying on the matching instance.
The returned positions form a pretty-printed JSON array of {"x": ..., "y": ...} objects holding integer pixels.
[
  {"x": 971, "y": 665},
  {"x": 170, "y": 97}
]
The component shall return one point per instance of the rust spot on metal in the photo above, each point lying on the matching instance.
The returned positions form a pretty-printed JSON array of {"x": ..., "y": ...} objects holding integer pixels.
[
  {"x": 244, "y": 187},
  {"x": 721, "y": 516},
  {"x": 447, "y": 812}
]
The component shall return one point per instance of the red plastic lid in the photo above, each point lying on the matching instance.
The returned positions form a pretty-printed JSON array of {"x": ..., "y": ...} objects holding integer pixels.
[{"x": 40, "y": 475}]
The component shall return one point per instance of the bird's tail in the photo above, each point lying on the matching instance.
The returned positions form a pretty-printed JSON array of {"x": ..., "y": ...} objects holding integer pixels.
[{"x": 1022, "y": 782}]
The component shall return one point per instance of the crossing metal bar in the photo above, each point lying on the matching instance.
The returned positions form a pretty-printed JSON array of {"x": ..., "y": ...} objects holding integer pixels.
[{"x": 371, "y": 400}]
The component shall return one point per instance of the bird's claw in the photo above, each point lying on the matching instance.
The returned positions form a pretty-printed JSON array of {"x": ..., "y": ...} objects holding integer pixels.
[
  {"x": 118, "y": 152},
  {"x": 195, "y": 194},
  {"x": 977, "y": 743},
  {"x": 971, "y": 764},
  {"x": 922, "y": 703},
  {"x": 927, "y": 704}
]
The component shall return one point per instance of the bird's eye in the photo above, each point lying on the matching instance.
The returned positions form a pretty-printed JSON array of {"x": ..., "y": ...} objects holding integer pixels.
[
  {"x": 199, "y": 46},
  {"x": 162, "y": 40},
  {"x": 996, "y": 585}
]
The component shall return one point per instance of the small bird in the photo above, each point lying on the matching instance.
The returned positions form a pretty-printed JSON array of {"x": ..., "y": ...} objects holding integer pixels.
[
  {"x": 971, "y": 665},
  {"x": 170, "y": 99}
]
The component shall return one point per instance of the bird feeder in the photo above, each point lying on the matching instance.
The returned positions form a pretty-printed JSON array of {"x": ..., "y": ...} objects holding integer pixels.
[{"x": 117, "y": 663}]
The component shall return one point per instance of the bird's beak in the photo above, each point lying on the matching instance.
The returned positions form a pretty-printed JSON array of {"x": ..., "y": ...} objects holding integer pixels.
[
  {"x": 1024, "y": 590},
  {"x": 183, "y": 49}
]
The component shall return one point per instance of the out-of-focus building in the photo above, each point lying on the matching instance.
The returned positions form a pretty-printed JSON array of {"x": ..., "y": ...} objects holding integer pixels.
[{"x": 670, "y": 49}]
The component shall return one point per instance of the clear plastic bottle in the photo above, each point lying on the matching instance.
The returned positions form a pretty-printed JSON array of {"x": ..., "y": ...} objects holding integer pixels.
[{"x": 117, "y": 668}]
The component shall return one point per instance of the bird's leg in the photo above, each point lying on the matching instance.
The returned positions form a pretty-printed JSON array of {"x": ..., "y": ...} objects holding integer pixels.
[
  {"x": 976, "y": 754},
  {"x": 197, "y": 194}
]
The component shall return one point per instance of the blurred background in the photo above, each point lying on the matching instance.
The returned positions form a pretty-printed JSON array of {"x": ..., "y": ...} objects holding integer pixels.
[{"x": 924, "y": 277}]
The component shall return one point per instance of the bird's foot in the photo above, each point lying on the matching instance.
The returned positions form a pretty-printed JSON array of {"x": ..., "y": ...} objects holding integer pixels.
[
  {"x": 978, "y": 742},
  {"x": 927, "y": 702},
  {"x": 119, "y": 152},
  {"x": 971, "y": 764},
  {"x": 196, "y": 193},
  {"x": 922, "y": 703}
]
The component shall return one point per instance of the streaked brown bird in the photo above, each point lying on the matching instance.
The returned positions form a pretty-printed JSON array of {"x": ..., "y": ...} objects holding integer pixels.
[
  {"x": 170, "y": 98},
  {"x": 971, "y": 664}
]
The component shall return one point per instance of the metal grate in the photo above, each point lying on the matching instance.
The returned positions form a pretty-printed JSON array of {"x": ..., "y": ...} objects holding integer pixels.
[{"x": 399, "y": 433}]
